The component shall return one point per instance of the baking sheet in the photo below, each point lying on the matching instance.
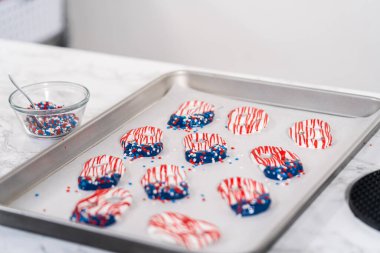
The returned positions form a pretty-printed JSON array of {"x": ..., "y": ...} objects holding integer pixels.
[{"x": 56, "y": 195}]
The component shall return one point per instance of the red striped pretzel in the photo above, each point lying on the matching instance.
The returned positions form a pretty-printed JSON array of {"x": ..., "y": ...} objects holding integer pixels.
[
  {"x": 170, "y": 174},
  {"x": 142, "y": 135},
  {"x": 275, "y": 156},
  {"x": 194, "y": 107},
  {"x": 101, "y": 166},
  {"x": 183, "y": 230},
  {"x": 104, "y": 203},
  {"x": 311, "y": 133},
  {"x": 202, "y": 141},
  {"x": 236, "y": 189},
  {"x": 246, "y": 120}
]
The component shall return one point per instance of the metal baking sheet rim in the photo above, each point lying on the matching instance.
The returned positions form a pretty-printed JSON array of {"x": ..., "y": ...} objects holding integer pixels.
[{"x": 33, "y": 222}]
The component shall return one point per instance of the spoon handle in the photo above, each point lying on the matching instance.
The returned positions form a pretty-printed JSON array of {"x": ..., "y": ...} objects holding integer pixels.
[
  {"x": 30, "y": 101},
  {"x": 14, "y": 83}
]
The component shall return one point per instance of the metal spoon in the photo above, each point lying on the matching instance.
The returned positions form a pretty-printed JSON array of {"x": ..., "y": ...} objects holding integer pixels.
[{"x": 30, "y": 100}]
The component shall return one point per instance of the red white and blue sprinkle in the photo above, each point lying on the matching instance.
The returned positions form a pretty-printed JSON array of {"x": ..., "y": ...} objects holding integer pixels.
[{"x": 51, "y": 125}]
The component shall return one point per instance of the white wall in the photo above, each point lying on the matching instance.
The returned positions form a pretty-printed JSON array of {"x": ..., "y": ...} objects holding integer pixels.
[
  {"x": 33, "y": 21},
  {"x": 328, "y": 42}
]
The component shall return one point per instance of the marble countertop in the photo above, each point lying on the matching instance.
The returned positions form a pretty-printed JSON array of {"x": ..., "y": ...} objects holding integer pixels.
[{"x": 326, "y": 226}]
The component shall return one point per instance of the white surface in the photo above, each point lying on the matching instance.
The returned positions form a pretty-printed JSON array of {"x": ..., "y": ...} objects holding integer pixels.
[
  {"x": 327, "y": 225},
  {"x": 325, "y": 42}
]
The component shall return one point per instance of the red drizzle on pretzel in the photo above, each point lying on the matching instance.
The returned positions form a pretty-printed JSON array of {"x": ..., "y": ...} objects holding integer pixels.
[
  {"x": 311, "y": 133},
  {"x": 202, "y": 141},
  {"x": 236, "y": 189},
  {"x": 246, "y": 120},
  {"x": 275, "y": 156},
  {"x": 103, "y": 205},
  {"x": 102, "y": 165},
  {"x": 183, "y": 230},
  {"x": 194, "y": 107},
  {"x": 142, "y": 135},
  {"x": 170, "y": 174}
]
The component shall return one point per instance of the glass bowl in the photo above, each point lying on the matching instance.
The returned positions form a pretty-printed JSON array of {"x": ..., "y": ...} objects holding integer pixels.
[{"x": 59, "y": 108}]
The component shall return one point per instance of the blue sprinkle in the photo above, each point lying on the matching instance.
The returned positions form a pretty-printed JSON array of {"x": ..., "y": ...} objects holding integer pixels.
[
  {"x": 130, "y": 183},
  {"x": 236, "y": 158},
  {"x": 36, "y": 194},
  {"x": 182, "y": 166},
  {"x": 152, "y": 161}
]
